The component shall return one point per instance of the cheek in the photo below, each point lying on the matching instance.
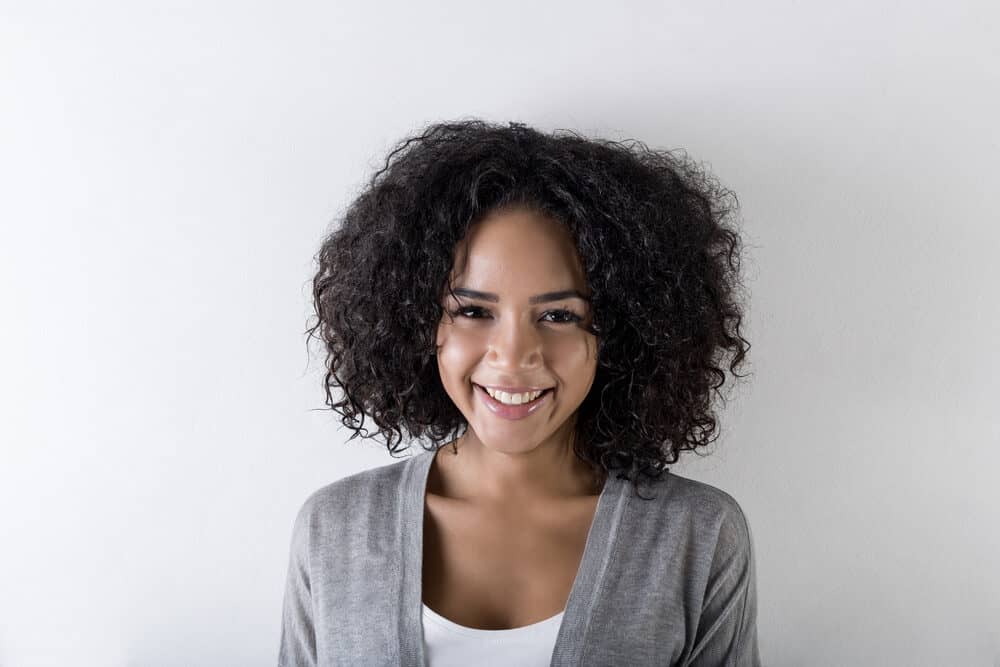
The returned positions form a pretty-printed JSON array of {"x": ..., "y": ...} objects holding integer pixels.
[
  {"x": 442, "y": 334},
  {"x": 457, "y": 351},
  {"x": 576, "y": 362},
  {"x": 575, "y": 351}
]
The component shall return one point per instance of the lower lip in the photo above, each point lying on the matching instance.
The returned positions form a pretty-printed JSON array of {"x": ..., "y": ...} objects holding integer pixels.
[{"x": 512, "y": 411}]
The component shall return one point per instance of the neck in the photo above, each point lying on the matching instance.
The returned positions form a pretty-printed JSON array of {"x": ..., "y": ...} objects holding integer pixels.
[{"x": 551, "y": 471}]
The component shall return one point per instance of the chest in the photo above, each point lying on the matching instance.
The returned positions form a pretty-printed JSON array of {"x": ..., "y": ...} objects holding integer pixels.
[{"x": 493, "y": 569}]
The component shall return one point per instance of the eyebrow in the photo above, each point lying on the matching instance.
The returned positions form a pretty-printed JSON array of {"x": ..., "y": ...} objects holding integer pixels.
[{"x": 540, "y": 298}]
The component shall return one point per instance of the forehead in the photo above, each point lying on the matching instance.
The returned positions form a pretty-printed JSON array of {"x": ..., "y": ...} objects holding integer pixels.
[{"x": 518, "y": 250}]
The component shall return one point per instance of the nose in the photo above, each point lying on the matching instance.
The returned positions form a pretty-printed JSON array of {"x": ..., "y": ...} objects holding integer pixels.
[{"x": 516, "y": 344}]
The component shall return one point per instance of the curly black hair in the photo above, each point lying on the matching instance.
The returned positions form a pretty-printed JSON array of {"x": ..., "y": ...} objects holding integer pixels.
[{"x": 660, "y": 252}]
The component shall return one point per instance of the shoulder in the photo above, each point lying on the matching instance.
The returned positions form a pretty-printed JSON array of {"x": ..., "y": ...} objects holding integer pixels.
[
  {"x": 376, "y": 490},
  {"x": 699, "y": 496},
  {"x": 695, "y": 511}
]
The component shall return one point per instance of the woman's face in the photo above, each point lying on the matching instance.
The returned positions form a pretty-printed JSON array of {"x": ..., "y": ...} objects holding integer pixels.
[{"x": 496, "y": 333}]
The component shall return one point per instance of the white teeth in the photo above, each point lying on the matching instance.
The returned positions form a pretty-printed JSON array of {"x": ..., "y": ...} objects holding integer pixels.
[{"x": 513, "y": 399}]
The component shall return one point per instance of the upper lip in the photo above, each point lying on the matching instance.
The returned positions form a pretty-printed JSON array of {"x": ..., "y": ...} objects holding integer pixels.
[{"x": 513, "y": 390}]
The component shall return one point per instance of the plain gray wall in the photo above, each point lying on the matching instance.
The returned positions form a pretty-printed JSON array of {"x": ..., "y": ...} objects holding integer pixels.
[{"x": 169, "y": 169}]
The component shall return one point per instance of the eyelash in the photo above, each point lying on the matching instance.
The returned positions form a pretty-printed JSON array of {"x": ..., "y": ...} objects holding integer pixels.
[{"x": 572, "y": 317}]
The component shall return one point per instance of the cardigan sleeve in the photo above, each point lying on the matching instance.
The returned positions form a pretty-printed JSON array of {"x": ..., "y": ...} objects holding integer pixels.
[
  {"x": 297, "y": 647},
  {"x": 727, "y": 629}
]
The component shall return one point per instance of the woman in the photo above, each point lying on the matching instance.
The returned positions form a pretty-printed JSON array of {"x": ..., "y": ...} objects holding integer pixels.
[{"x": 550, "y": 312}]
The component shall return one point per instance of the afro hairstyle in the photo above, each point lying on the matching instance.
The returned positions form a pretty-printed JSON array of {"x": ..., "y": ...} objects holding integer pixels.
[{"x": 656, "y": 236}]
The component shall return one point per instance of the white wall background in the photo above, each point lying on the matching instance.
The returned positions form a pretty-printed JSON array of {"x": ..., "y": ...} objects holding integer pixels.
[{"x": 168, "y": 170}]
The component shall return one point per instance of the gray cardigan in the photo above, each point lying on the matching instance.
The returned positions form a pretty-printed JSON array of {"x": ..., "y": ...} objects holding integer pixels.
[{"x": 669, "y": 581}]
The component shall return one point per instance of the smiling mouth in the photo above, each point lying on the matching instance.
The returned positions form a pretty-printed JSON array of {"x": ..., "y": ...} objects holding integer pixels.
[{"x": 542, "y": 395}]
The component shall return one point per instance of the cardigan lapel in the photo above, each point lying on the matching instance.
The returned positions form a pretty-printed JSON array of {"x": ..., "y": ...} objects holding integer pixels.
[
  {"x": 602, "y": 539},
  {"x": 411, "y": 558}
]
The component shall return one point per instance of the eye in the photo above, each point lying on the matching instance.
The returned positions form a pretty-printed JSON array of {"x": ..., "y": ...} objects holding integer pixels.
[
  {"x": 569, "y": 316},
  {"x": 464, "y": 312},
  {"x": 563, "y": 316}
]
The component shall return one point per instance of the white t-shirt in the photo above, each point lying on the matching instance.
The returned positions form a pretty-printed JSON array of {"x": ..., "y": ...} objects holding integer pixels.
[{"x": 448, "y": 644}]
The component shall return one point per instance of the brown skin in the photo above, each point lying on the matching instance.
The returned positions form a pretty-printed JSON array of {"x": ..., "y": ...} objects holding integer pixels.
[
  {"x": 507, "y": 517},
  {"x": 517, "y": 254}
]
